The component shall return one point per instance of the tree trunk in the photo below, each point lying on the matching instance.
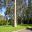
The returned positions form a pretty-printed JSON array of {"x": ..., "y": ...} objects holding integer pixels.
[{"x": 15, "y": 23}]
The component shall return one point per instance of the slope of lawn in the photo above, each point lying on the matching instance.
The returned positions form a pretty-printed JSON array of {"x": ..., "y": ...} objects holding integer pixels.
[{"x": 10, "y": 28}]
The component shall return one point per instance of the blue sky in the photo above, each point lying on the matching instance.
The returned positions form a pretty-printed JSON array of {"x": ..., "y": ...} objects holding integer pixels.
[
  {"x": 27, "y": 2},
  {"x": 3, "y": 10}
]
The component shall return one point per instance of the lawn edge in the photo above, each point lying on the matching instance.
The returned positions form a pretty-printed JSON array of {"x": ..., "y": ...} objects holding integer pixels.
[{"x": 19, "y": 30}]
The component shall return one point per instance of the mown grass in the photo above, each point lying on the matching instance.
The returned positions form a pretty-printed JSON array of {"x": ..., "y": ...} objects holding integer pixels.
[{"x": 10, "y": 28}]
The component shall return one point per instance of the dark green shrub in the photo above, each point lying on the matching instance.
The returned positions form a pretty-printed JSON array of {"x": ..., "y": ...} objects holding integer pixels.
[
  {"x": 3, "y": 22},
  {"x": 11, "y": 22}
]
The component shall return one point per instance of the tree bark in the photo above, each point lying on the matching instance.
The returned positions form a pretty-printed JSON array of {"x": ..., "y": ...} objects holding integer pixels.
[{"x": 15, "y": 23}]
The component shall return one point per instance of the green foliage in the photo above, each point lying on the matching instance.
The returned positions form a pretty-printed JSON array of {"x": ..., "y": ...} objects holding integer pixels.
[
  {"x": 11, "y": 22},
  {"x": 19, "y": 20},
  {"x": 10, "y": 8},
  {"x": 3, "y": 22}
]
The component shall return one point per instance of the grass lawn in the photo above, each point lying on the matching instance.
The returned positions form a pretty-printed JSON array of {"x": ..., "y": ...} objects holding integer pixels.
[{"x": 10, "y": 28}]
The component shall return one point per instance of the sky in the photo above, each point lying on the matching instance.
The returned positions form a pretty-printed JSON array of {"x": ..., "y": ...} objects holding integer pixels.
[
  {"x": 27, "y": 2},
  {"x": 3, "y": 10}
]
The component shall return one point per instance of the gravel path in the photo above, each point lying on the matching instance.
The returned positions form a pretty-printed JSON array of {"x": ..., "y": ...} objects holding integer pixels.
[{"x": 24, "y": 31}]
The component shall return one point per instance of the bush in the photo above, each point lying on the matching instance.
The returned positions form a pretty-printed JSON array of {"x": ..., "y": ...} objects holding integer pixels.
[
  {"x": 3, "y": 22},
  {"x": 11, "y": 22}
]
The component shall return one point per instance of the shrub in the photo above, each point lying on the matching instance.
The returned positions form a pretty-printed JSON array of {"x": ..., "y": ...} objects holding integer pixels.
[
  {"x": 11, "y": 22},
  {"x": 3, "y": 22}
]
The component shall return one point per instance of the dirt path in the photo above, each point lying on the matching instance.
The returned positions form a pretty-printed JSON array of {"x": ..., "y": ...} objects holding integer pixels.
[{"x": 25, "y": 31}]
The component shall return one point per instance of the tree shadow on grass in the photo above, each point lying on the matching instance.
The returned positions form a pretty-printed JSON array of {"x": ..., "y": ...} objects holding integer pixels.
[{"x": 29, "y": 29}]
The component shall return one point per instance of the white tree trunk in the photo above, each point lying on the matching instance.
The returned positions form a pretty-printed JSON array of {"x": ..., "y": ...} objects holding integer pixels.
[{"x": 15, "y": 23}]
